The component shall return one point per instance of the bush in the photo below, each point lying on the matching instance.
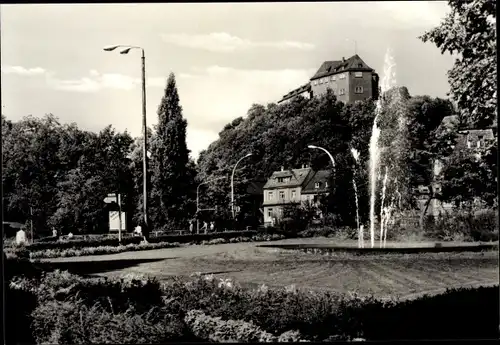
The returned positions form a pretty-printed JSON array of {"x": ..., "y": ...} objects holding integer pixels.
[
  {"x": 55, "y": 253},
  {"x": 113, "y": 241},
  {"x": 482, "y": 226},
  {"x": 217, "y": 330},
  {"x": 74, "y": 322}
]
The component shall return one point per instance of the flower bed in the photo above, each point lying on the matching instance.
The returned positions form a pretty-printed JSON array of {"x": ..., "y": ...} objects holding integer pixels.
[
  {"x": 113, "y": 241},
  {"x": 56, "y": 253},
  {"x": 29, "y": 251}
]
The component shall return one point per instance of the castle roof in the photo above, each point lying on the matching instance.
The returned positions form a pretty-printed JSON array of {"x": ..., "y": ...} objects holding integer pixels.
[{"x": 354, "y": 63}]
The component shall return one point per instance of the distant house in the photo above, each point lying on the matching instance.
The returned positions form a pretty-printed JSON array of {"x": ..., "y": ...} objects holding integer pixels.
[
  {"x": 350, "y": 80},
  {"x": 468, "y": 140},
  {"x": 292, "y": 186}
]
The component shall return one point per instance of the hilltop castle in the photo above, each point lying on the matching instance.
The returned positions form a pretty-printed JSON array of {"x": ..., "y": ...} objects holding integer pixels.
[{"x": 350, "y": 80}]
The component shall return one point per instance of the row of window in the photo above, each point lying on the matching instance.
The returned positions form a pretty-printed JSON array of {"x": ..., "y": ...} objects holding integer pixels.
[
  {"x": 334, "y": 78},
  {"x": 357, "y": 89},
  {"x": 270, "y": 194},
  {"x": 478, "y": 142}
]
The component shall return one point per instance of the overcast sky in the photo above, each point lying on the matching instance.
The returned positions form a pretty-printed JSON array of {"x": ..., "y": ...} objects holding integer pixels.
[{"x": 225, "y": 56}]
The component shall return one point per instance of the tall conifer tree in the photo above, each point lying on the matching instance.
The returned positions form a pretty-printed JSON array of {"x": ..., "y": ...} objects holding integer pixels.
[{"x": 172, "y": 178}]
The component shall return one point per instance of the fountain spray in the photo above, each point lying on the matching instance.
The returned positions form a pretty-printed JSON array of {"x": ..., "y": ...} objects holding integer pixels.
[
  {"x": 355, "y": 154},
  {"x": 388, "y": 80},
  {"x": 382, "y": 209}
]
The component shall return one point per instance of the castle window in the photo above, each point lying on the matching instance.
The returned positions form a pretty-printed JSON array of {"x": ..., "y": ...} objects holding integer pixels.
[
  {"x": 316, "y": 185},
  {"x": 270, "y": 195},
  {"x": 315, "y": 82},
  {"x": 360, "y": 65},
  {"x": 342, "y": 92},
  {"x": 333, "y": 78},
  {"x": 282, "y": 195},
  {"x": 479, "y": 140},
  {"x": 293, "y": 194},
  {"x": 280, "y": 179},
  {"x": 342, "y": 76},
  {"x": 358, "y": 74},
  {"x": 270, "y": 212},
  {"x": 358, "y": 89}
]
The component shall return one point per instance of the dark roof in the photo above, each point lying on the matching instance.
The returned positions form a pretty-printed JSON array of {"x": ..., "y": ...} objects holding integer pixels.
[
  {"x": 297, "y": 91},
  {"x": 321, "y": 176},
  {"x": 354, "y": 63},
  {"x": 297, "y": 178}
]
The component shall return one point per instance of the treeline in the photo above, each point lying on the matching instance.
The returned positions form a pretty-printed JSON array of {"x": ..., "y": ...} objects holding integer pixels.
[{"x": 61, "y": 174}]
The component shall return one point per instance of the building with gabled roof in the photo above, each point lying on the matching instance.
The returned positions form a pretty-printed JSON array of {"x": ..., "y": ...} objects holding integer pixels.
[
  {"x": 349, "y": 79},
  {"x": 292, "y": 186}
]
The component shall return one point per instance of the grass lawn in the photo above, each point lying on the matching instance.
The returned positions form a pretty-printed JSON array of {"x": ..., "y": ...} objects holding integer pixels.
[{"x": 403, "y": 275}]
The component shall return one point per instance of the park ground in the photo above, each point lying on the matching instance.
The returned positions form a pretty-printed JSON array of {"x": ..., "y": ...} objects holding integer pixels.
[{"x": 385, "y": 275}]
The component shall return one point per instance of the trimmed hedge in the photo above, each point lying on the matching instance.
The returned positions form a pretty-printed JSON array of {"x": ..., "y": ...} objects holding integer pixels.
[
  {"x": 196, "y": 238},
  {"x": 56, "y": 253},
  {"x": 72, "y": 309}
]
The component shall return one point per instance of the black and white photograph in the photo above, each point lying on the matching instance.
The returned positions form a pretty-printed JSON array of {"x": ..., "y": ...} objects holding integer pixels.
[{"x": 249, "y": 172}]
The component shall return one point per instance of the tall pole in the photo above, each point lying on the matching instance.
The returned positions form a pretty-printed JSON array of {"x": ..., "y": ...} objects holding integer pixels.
[
  {"x": 232, "y": 182},
  {"x": 118, "y": 199},
  {"x": 144, "y": 126},
  {"x": 145, "y": 147},
  {"x": 198, "y": 208},
  {"x": 31, "y": 224}
]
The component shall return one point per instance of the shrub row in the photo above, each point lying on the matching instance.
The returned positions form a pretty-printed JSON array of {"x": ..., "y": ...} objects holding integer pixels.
[
  {"x": 56, "y": 253},
  {"x": 92, "y": 242},
  {"x": 101, "y": 250},
  {"x": 64, "y": 300}
]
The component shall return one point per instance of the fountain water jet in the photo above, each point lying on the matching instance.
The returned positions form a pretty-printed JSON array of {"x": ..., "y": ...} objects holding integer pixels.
[
  {"x": 388, "y": 80},
  {"x": 355, "y": 154},
  {"x": 382, "y": 209}
]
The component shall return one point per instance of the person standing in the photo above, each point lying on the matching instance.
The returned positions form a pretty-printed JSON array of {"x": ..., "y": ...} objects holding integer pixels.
[
  {"x": 54, "y": 232},
  {"x": 212, "y": 226},
  {"x": 191, "y": 226},
  {"x": 21, "y": 237},
  {"x": 205, "y": 227}
]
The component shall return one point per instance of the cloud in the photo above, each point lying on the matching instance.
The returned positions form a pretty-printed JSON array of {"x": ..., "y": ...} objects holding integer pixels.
[
  {"x": 22, "y": 71},
  {"x": 224, "y": 93},
  {"x": 224, "y": 42},
  {"x": 416, "y": 13},
  {"x": 96, "y": 81}
]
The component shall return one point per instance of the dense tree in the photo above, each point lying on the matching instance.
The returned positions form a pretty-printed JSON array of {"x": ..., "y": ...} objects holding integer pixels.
[
  {"x": 469, "y": 31},
  {"x": 61, "y": 174},
  {"x": 469, "y": 177},
  {"x": 172, "y": 173},
  {"x": 30, "y": 169},
  {"x": 102, "y": 168}
]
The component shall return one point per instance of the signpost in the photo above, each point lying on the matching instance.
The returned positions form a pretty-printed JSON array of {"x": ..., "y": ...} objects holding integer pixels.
[{"x": 115, "y": 198}]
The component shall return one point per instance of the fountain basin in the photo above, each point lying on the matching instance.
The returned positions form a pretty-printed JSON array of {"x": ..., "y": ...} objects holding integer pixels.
[{"x": 330, "y": 248}]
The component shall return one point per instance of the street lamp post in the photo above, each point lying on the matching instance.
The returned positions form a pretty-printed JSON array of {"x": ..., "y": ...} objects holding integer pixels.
[
  {"x": 144, "y": 125},
  {"x": 328, "y": 153},
  {"x": 198, "y": 199},
  {"x": 232, "y": 182}
]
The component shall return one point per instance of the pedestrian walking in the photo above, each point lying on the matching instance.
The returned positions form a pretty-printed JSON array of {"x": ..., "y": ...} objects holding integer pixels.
[
  {"x": 191, "y": 227},
  {"x": 212, "y": 226},
  {"x": 54, "y": 232},
  {"x": 205, "y": 227}
]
